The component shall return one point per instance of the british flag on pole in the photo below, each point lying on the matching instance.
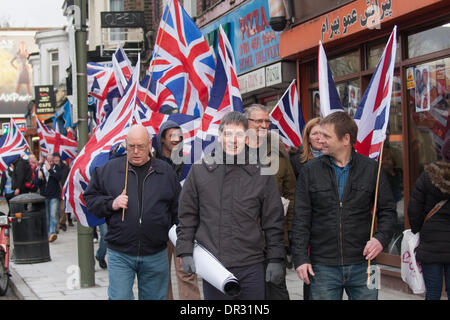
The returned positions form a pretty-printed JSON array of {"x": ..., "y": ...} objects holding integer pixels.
[
  {"x": 287, "y": 116},
  {"x": 183, "y": 61},
  {"x": 372, "y": 115},
  {"x": 12, "y": 145},
  {"x": 52, "y": 141}
]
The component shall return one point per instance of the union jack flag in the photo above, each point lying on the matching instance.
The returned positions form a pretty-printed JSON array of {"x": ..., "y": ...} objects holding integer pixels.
[
  {"x": 52, "y": 141},
  {"x": 111, "y": 132},
  {"x": 183, "y": 61},
  {"x": 122, "y": 67},
  {"x": 100, "y": 79},
  {"x": 372, "y": 115},
  {"x": 12, "y": 145},
  {"x": 287, "y": 116},
  {"x": 329, "y": 98}
]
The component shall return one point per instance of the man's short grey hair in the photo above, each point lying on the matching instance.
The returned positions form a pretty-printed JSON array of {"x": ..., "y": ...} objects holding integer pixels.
[
  {"x": 235, "y": 118},
  {"x": 255, "y": 107}
]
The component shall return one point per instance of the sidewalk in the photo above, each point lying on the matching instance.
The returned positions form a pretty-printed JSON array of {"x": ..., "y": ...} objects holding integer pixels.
[{"x": 54, "y": 280}]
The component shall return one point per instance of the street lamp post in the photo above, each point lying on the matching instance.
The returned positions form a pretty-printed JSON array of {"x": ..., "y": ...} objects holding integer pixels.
[{"x": 85, "y": 234}]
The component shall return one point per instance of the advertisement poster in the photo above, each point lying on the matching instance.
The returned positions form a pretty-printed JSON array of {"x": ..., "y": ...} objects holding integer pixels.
[
  {"x": 16, "y": 74},
  {"x": 422, "y": 85},
  {"x": 353, "y": 99}
]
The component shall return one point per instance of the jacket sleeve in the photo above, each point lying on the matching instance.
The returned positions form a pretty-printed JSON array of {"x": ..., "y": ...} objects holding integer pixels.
[
  {"x": 386, "y": 212},
  {"x": 97, "y": 200},
  {"x": 416, "y": 206},
  {"x": 188, "y": 215},
  {"x": 289, "y": 182},
  {"x": 272, "y": 220},
  {"x": 301, "y": 222}
]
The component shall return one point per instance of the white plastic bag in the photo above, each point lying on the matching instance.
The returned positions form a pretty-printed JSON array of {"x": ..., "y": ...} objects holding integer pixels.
[{"x": 411, "y": 270}]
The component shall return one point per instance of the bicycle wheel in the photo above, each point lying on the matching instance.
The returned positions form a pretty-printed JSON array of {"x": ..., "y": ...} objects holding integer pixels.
[{"x": 4, "y": 278}]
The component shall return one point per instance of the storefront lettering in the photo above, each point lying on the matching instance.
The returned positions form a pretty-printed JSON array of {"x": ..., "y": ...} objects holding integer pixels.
[
  {"x": 370, "y": 18},
  {"x": 250, "y": 24}
]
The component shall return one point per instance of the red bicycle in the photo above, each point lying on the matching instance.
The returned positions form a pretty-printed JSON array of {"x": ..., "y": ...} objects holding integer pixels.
[{"x": 5, "y": 225}]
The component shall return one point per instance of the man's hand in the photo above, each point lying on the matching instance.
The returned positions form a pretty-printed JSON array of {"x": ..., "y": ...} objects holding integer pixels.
[
  {"x": 275, "y": 273},
  {"x": 40, "y": 175},
  {"x": 17, "y": 192},
  {"x": 372, "y": 249},
  {"x": 121, "y": 202},
  {"x": 188, "y": 264},
  {"x": 303, "y": 271}
]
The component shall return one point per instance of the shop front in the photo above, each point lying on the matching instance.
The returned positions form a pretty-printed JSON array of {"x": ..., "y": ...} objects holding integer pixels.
[
  {"x": 354, "y": 36},
  {"x": 263, "y": 76}
]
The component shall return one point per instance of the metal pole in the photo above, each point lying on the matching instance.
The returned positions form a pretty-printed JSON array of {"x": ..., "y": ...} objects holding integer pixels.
[{"x": 85, "y": 235}]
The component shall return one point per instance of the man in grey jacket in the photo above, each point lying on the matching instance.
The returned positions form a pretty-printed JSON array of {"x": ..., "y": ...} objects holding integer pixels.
[{"x": 233, "y": 211}]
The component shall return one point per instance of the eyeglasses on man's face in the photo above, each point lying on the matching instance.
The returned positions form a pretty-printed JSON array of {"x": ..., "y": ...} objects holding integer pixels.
[
  {"x": 132, "y": 147},
  {"x": 260, "y": 121}
]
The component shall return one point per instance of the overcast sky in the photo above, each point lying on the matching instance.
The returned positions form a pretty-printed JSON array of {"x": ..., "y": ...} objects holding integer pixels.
[{"x": 32, "y": 13}]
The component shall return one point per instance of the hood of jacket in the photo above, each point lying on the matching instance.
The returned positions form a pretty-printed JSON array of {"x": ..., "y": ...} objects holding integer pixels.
[
  {"x": 169, "y": 124},
  {"x": 439, "y": 174}
]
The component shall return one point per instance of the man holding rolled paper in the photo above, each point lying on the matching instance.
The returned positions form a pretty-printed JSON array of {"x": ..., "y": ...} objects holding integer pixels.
[
  {"x": 234, "y": 211},
  {"x": 138, "y": 197}
]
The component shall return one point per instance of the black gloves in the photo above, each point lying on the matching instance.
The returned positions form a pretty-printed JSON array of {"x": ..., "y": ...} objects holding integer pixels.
[
  {"x": 275, "y": 272},
  {"x": 188, "y": 264}
]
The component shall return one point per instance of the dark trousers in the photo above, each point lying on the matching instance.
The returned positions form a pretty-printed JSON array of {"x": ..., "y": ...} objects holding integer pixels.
[
  {"x": 434, "y": 275},
  {"x": 251, "y": 279}
]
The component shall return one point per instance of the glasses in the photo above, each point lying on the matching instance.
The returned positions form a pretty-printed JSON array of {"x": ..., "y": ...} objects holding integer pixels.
[
  {"x": 132, "y": 147},
  {"x": 260, "y": 121}
]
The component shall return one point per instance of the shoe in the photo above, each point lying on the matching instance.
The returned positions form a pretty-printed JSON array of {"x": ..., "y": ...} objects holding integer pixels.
[
  {"x": 95, "y": 240},
  {"x": 101, "y": 263},
  {"x": 63, "y": 226},
  {"x": 70, "y": 223},
  {"x": 52, "y": 237}
]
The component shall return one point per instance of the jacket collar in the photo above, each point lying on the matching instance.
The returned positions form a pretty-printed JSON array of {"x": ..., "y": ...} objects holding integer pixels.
[{"x": 209, "y": 161}]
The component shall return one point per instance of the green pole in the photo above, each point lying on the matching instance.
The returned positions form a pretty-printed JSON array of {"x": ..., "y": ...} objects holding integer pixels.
[{"x": 85, "y": 235}]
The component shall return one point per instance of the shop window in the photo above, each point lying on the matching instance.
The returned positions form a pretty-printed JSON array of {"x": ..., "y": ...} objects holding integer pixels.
[
  {"x": 350, "y": 95},
  {"x": 375, "y": 51},
  {"x": 54, "y": 66},
  {"x": 345, "y": 64},
  {"x": 429, "y": 41},
  {"x": 429, "y": 105}
]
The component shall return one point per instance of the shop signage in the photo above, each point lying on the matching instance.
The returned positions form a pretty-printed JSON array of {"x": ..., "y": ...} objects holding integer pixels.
[
  {"x": 122, "y": 19},
  {"x": 254, "y": 42},
  {"x": 369, "y": 17},
  {"x": 252, "y": 81},
  {"x": 45, "y": 99},
  {"x": 273, "y": 74}
]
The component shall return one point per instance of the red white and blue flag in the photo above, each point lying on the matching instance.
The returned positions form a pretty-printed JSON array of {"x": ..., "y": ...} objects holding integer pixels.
[
  {"x": 183, "y": 61},
  {"x": 100, "y": 80},
  {"x": 287, "y": 116},
  {"x": 372, "y": 115},
  {"x": 329, "y": 98},
  {"x": 123, "y": 70},
  {"x": 51, "y": 141},
  {"x": 95, "y": 153},
  {"x": 12, "y": 146}
]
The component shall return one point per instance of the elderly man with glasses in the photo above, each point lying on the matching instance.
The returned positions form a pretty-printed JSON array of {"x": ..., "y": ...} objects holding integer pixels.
[{"x": 137, "y": 239}]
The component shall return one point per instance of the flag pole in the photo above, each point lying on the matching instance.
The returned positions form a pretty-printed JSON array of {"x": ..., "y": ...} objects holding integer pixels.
[
  {"x": 158, "y": 42},
  {"x": 380, "y": 160}
]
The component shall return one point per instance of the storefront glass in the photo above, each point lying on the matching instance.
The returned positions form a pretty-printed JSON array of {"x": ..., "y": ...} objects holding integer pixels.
[
  {"x": 345, "y": 64},
  {"x": 429, "y": 105},
  {"x": 429, "y": 41}
]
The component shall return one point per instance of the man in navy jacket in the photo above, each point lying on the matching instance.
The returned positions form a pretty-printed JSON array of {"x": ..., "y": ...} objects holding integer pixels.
[{"x": 137, "y": 243}]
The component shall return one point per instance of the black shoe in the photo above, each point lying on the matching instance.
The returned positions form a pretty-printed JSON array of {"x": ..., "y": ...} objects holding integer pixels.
[
  {"x": 63, "y": 226},
  {"x": 70, "y": 223},
  {"x": 102, "y": 263}
]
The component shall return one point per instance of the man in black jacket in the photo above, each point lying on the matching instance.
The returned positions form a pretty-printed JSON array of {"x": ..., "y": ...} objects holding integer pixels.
[
  {"x": 137, "y": 242},
  {"x": 334, "y": 198},
  {"x": 49, "y": 176},
  {"x": 234, "y": 212}
]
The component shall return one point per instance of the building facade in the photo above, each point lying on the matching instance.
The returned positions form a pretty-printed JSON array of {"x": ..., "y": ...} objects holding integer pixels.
[{"x": 354, "y": 34}]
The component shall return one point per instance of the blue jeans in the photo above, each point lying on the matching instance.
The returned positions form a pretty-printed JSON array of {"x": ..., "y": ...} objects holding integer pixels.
[
  {"x": 330, "y": 282},
  {"x": 152, "y": 275},
  {"x": 433, "y": 275},
  {"x": 101, "y": 251},
  {"x": 51, "y": 208}
]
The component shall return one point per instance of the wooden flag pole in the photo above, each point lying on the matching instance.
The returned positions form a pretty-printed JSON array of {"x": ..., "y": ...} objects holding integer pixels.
[
  {"x": 125, "y": 188},
  {"x": 380, "y": 160},
  {"x": 158, "y": 42}
]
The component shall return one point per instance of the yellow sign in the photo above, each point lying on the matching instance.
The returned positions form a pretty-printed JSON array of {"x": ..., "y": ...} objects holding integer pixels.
[{"x": 410, "y": 77}]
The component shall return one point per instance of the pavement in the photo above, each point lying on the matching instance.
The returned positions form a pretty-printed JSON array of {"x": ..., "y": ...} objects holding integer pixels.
[{"x": 57, "y": 279}]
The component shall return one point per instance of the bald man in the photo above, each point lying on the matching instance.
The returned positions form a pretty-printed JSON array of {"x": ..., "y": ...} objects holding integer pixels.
[{"x": 136, "y": 244}]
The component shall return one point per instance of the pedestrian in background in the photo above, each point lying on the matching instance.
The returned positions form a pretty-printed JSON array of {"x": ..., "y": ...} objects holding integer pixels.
[
  {"x": 334, "y": 198},
  {"x": 170, "y": 142},
  {"x": 49, "y": 176},
  {"x": 433, "y": 252},
  {"x": 235, "y": 212},
  {"x": 64, "y": 168},
  {"x": 137, "y": 244},
  {"x": 310, "y": 149},
  {"x": 263, "y": 139},
  {"x": 6, "y": 189}
]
